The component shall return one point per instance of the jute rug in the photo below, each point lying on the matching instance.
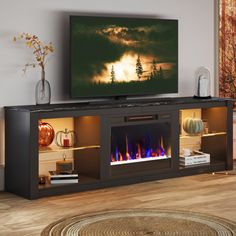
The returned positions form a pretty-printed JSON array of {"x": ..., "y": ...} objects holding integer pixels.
[{"x": 141, "y": 223}]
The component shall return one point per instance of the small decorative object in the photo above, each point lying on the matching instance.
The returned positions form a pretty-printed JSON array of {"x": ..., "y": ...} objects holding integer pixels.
[
  {"x": 40, "y": 52},
  {"x": 192, "y": 125},
  {"x": 202, "y": 83},
  {"x": 66, "y": 138},
  {"x": 42, "y": 179},
  {"x": 43, "y": 91},
  {"x": 45, "y": 134},
  {"x": 64, "y": 166},
  {"x": 186, "y": 152},
  {"x": 206, "y": 127}
]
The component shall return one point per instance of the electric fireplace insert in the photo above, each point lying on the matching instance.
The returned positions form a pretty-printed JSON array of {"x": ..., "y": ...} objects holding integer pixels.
[{"x": 140, "y": 143}]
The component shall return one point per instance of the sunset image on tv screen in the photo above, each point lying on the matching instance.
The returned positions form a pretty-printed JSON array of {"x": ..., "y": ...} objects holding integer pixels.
[{"x": 123, "y": 56}]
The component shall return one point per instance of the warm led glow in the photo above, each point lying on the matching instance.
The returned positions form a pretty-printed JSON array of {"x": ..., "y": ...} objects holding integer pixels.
[{"x": 87, "y": 117}]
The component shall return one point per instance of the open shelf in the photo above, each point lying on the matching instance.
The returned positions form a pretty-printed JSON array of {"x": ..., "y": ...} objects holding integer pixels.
[
  {"x": 203, "y": 135},
  {"x": 213, "y": 163},
  {"x": 212, "y": 142},
  {"x": 115, "y": 163},
  {"x": 63, "y": 149},
  {"x": 83, "y": 179}
]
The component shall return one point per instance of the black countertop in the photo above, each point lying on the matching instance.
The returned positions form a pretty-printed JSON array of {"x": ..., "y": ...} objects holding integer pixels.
[{"x": 116, "y": 104}]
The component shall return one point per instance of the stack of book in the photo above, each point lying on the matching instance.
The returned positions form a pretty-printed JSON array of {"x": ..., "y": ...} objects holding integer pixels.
[
  {"x": 63, "y": 178},
  {"x": 198, "y": 158}
]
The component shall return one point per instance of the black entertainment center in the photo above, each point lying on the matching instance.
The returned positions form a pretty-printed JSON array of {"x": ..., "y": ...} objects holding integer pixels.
[
  {"x": 119, "y": 142},
  {"x": 64, "y": 148}
]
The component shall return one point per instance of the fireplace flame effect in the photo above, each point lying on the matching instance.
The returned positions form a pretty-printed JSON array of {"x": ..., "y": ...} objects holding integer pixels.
[{"x": 139, "y": 151}]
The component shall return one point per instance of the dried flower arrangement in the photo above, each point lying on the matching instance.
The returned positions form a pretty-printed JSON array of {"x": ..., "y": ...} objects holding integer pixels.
[{"x": 40, "y": 50}]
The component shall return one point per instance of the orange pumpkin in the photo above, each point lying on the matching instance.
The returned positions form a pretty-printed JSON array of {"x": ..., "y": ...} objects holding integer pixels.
[{"x": 45, "y": 134}]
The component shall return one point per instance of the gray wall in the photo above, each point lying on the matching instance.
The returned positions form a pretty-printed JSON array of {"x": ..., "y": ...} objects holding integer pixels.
[{"x": 49, "y": 20}]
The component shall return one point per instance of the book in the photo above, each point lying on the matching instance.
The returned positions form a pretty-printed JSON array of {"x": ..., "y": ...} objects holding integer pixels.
[
  {"x": 198, "y": 158},
  {"x": 187, "y": 163},
  {"x": 54, "y": 174},
  {"x": 64, "y": 181},
  {"x": 59, "y": 178},
  {"x": 195, "y": 165}
]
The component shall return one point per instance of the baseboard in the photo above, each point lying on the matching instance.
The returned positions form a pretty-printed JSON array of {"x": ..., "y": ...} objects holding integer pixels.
[{"x": 1, "y": 178}]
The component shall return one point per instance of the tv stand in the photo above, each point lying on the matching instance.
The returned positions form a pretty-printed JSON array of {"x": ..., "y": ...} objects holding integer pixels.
[{"x": 118, "y": 142}]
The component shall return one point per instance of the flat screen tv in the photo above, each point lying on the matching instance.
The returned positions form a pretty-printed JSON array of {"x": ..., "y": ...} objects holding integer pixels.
[{"x": 122, "y": 56}]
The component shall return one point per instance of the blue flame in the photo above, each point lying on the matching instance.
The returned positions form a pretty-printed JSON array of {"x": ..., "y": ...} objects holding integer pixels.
[
  {"x": 148, "y": 153},
  {"x": 162, "y": 151},
  {"x": 117, "y": 154}
]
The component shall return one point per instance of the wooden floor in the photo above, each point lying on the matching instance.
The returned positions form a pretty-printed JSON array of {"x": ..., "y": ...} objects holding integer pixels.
[{"x": 206, "y": 193}]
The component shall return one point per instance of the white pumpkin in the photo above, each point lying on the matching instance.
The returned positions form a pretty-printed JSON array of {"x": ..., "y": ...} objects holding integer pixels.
[{"x": 193, "y": 126}]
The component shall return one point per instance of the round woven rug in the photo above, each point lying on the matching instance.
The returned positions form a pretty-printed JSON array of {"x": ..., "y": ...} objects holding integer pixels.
[{"x": 141, "y": 223}]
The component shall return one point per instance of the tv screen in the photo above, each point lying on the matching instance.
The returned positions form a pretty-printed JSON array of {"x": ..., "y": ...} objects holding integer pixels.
[{"x": 117, "y": 56}]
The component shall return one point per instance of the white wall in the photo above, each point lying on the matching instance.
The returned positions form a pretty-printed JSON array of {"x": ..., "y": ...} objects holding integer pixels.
[{"x": 49, "y": 20}]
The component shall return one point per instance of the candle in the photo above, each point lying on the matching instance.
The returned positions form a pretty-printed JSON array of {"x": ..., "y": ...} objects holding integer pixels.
[{"x": 66, "y": 142}]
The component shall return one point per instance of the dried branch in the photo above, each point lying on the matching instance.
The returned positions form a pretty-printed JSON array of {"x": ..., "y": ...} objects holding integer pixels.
[{"x": 40, "y": 49}]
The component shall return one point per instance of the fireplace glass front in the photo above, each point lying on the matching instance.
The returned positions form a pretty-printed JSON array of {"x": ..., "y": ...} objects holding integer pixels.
[{"x": 140, "y": 143}]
